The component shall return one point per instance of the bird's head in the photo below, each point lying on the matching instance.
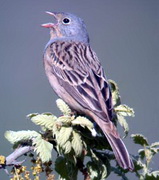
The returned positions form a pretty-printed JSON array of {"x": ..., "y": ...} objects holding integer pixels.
[{"x": 67, "y": 27}]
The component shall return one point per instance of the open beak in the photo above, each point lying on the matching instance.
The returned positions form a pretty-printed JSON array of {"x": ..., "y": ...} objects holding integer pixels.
[
  {"x": 50, "y": 25},
  {"x": 51, "y": 13}
]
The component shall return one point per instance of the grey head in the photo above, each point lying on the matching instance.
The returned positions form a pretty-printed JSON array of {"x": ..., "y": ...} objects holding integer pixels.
[{"x": 68, "y": 27}]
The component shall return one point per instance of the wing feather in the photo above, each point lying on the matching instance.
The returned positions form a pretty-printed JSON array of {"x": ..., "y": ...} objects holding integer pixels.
[{"x": 79, "y": 71}]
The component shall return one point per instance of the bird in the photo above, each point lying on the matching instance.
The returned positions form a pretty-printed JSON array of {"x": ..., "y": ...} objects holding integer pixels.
[{"x": 77, "y": 76}]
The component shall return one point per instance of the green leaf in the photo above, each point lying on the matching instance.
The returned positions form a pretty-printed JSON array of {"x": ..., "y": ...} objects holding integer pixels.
[
  {"x": 141, "y": 153},
  {"x": 44, "y": 120},
  {"x": 152, "y": 176},
  {"x": 43, "y": 148},
  {"x": 154, "y": 150},
  {"x": 138, "y": 165},
  {"x": 67, "y": 147},
  {"x": 155, "y": 174},
  {"x": 83, "y": 121},
  {"x": 123, "y": 123},
  {"x": 124, "y": 110},
  {"x": 140, "y": 139},
  {"x": 146, "y": 153},
  {"x": 115, "y": 93},
  {"x": 66, "y": 168},
  {"x": 14, "y": 137},
  {"x": 77, "y": 143},
  {"x": 63, "y": 135},
  {"x": 97, "y": 170},
  {"x": 93, "y": 155},
  {"x": 93, "y": 170},
  {"x": 48, "y": 113},
  {"x": 103, "y": 172},
  {"x": 63, "y": 107},
  {"x": 64, "y": 120},
  {"x": 60, "y": 178},
  {"x": 61, "y": 167},
  {"x": 156, "y": 144},
  {"x": 31, "y": 115}
]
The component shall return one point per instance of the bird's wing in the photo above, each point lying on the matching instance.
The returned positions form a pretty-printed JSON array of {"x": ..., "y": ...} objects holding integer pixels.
[{"x": 78, "y": 70}]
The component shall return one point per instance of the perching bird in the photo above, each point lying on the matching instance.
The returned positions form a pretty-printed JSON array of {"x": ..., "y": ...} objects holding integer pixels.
[{"x": 76, "y": 75}]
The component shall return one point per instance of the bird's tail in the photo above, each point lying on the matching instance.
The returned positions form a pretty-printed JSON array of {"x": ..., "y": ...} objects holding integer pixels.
[{"x": 120, "y": 152}]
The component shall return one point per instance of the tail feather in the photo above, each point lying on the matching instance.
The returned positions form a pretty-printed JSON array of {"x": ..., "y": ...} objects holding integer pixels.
[{"x": 120, "y": 152}]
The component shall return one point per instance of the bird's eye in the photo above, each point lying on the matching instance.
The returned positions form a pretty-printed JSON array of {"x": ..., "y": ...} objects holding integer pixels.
[{"x": 66, "y": 21}]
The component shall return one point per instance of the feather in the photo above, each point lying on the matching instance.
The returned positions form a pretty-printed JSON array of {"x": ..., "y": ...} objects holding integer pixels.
[{"x": 77, "y": 76}]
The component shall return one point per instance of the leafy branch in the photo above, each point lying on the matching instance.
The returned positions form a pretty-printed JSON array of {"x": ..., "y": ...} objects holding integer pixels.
[{"x": 73, "y": 138}]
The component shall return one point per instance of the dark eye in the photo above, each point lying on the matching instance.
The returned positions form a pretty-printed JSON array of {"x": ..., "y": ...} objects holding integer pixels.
[{"x": 66, "y": 21}]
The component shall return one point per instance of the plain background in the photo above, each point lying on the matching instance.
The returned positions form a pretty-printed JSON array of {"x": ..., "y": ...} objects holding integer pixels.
[{"x": 125, "y": 36}]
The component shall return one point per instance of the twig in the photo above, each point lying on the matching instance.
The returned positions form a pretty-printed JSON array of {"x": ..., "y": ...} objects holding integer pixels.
[
  {"x": 12, "y": 158},
  {"x": 86, "y": 174},
  {"x": 83, "y": 170}
]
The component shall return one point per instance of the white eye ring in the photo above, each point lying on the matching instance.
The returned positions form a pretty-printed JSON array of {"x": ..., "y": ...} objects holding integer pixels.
[{"x": 66, "y": 21}]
